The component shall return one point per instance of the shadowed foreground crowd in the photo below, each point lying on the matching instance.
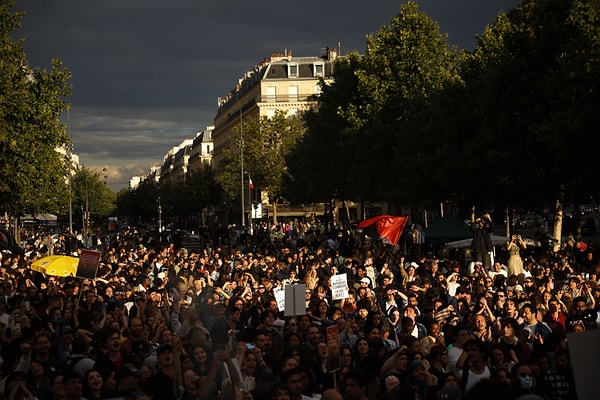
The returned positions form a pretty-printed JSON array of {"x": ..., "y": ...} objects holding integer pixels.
[{"x": 167, "y": 323}]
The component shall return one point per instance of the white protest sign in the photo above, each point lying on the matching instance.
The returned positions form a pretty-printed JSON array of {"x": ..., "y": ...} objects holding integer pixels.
[
  {"x": 279, "y": 297},
  {"x": 339, "y": 287}
]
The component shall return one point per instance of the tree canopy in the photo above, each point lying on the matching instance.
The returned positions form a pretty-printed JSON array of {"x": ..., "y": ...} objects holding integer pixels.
[
  {"x": 267, "y": 143},
  {"x": 415, "y": 121},
  {"x": 32, "y": 174},
  {"x": 365, "y": 139}
]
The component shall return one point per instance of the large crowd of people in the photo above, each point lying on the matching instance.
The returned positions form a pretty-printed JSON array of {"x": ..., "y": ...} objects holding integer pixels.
[{"x": 163, "y": 322}]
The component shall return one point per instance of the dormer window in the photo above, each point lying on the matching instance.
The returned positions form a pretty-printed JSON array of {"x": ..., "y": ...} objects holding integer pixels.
[
  {"x": 292, "y": 70},
  {"x": 319, "y": 69}
]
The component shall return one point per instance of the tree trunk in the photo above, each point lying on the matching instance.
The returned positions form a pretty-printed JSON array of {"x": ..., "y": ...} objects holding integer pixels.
[
  {"x": 558, "y": 221},
  {"x": 275, "y": 212},
  {"x": 347, "y": 211}
]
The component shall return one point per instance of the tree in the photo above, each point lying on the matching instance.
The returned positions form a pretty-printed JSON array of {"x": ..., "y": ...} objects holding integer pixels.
[
  {"x": 267, "y": 144},
  {"x": 319, "y": 164},
  {"x": 32, "y": 172},
  {"x": 140, "y": 203},
  {"x": 533, "y": 87},
  {"x": 406, "y": 65},
  {"x": 91, "y": 195},
  {"x": 365, "y": 139}
]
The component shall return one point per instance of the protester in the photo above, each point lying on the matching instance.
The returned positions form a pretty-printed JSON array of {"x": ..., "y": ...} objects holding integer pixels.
[{"x": 176, "y": 318}]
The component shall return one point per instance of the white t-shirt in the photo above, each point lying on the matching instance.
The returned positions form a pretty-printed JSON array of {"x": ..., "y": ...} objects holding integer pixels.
[
  {"x": 454, "y": 354},
  {"x": 473, "y": 378}
]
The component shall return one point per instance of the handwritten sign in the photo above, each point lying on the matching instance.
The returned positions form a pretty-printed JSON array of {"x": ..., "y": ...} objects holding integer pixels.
[
  {"x": 279, "y": 297},
  {"x": 339, "y": 287}
]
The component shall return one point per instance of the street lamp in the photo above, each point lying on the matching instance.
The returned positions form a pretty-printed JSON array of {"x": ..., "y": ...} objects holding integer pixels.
[
  {"x": 159, "y": 215},
  {"x": 242, "y": 167}
]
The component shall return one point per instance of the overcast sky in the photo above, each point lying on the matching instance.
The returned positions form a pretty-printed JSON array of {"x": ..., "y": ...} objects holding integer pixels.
[{"x": 147, "y": 73}]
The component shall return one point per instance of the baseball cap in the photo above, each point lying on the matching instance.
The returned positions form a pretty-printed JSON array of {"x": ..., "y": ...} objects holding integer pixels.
[
  {"x": 365, "y": 280},
  {"x": 518, "y": 288},
  {"x": 67, "y": 329},
  {"x": 125, "y": 371},
  {"x": 165, "y": 347}
]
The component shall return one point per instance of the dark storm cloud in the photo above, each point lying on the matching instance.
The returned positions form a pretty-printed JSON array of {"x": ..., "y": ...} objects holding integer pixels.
[{"x": 147, "y": 73}]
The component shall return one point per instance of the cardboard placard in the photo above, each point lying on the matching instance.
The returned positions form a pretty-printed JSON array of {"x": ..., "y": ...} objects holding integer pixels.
[{"x": 89, "y": 260}]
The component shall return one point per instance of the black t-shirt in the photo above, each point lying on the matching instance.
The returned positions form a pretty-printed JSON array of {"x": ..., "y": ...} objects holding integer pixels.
[{"x": 160, "y": 386}]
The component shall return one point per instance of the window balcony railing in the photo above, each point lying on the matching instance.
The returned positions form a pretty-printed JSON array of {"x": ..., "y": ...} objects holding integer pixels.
[{"x": 285, "y": 98}]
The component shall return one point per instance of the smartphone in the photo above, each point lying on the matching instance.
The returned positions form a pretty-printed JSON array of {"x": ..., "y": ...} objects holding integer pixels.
[{"x": 249, "y": 346}]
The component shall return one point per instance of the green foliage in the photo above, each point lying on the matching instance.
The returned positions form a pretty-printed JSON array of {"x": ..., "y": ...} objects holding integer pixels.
[
  {"x": 32, "y": 172},
  {"x": 267, "y": 143},
  {"x": 320, "y": 165},
  {"x": 370, "y": 123},
  {"x": 183, "y": 199},
  {"x": 416, "y": 122},
  {"x": 91, "y": 193},
  {"x": 140, "y": 203},
  {"x": 532, "y": 86}
]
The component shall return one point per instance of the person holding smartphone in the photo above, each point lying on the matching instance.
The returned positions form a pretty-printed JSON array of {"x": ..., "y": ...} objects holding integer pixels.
[{"x": 515, "y": 263}]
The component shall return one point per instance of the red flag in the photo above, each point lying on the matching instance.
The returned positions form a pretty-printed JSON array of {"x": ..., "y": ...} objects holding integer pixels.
[
  {"x": 388, "y": 227},
  {"x": 250, "y": 184}
]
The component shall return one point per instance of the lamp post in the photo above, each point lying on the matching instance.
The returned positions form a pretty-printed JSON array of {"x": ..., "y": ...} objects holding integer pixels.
[
  {"x": 70, "y": 177},
  {"x": 159, "y": 215},
  {"x": 242, "y": 167}
]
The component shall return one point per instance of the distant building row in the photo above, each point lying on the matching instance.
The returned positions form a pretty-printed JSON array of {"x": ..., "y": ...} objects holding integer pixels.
[{"x": 279, "y": 83}]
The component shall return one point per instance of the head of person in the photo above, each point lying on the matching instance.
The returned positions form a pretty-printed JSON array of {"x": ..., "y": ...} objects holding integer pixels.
[
  {"x": 529, "y": 313},
  {"x": 73, "y": 385},
  {"x": 524, "y": 377},
  {"x": 292, "y": 379},
  {"x": 509, "y": 326},
  {"x": 355, "y": 384},
  {"x": 165, "y": 355},
  {"x": 127, "y": 377},
  {"x": 476, "y": 350},
  {"x": 92, "y": 381},
  {"x": 438, "y": 353}
]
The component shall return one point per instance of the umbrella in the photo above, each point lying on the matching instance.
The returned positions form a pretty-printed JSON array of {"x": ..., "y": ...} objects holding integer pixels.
[{"x": 56, "y": 265}]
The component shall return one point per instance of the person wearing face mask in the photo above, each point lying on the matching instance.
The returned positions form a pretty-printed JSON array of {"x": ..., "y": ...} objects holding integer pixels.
[{"x": 525, "y": 382}]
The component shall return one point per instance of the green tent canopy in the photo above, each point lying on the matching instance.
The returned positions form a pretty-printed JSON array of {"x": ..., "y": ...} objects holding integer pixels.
[{"x": 447, "y": 229}]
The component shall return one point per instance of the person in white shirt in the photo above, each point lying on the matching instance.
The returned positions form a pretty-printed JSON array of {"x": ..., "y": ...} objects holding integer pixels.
[{"x": 498, "y": 269}]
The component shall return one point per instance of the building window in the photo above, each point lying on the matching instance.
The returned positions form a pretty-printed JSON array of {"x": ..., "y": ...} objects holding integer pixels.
[
  {"x": 319, "y": 69},
  {"x": 292, "y": 70},
  {"x": 271, "y": 94},
  {"x": 293, "y": 93}
]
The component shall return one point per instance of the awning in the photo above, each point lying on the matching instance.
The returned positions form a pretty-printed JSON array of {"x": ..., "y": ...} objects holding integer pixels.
[{"x": 39, "y": 219}]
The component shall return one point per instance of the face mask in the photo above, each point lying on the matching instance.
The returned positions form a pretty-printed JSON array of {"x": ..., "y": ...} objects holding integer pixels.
[{"x": 526, "y": 382}]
